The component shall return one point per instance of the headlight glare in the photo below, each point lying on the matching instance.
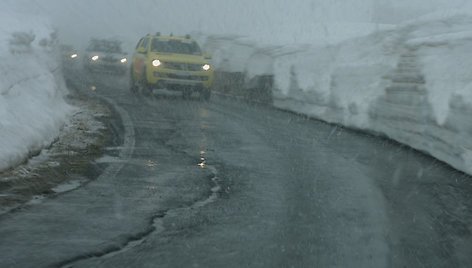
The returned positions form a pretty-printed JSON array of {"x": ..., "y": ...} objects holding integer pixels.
[
  {"x": 73, "y": 56},
  {"x": 95, "y": 58},
  {"x": 123, "y": 60},
  {"x": 206, "y": 67},
  {"x": 156, "y": 63}
]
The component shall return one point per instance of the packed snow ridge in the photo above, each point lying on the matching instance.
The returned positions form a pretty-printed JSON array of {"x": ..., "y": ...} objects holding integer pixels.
[
  {"x": 412, "y": 83},
  {"x": 32, "y": 107}
]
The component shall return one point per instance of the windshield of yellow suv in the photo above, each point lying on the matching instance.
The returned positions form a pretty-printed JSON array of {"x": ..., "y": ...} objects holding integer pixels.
[{"x": 175, "y": 46}]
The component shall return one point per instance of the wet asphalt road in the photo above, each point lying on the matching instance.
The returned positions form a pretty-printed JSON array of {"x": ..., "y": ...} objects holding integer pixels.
[{"x": 230, "y": 184}]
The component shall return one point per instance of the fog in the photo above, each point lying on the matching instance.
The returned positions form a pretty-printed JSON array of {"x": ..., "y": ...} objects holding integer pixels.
[
  {"x": 127, "y": 173},
  {"x": 277, "y": 21}
]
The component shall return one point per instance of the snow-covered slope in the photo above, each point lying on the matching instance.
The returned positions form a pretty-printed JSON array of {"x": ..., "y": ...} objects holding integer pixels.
[
  {"x": 32, "y": 108},
  {"x": 412, "y": 83}
]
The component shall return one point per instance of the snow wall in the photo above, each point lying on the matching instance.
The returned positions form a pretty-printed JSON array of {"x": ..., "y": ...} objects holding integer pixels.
[
  {"x": 32, "y": 107},
  {"x": 412, "y": 83}
]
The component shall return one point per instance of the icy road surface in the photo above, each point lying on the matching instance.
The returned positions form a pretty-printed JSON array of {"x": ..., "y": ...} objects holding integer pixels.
[{"x": 230, "y": 184}]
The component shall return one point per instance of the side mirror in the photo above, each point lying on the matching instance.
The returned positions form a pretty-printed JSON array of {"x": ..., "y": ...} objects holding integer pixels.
[{"x": 207, "y": 56}]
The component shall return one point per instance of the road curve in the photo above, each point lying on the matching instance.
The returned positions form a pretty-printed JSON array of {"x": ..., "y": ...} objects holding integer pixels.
[{"x": 230, "y": 184}]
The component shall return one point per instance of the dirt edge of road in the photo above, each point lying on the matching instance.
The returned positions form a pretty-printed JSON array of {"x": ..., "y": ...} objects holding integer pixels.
[{"x": 93, "y": 128}]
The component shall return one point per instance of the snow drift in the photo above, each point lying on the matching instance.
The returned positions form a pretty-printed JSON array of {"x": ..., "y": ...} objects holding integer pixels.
[
  {"x": 32, "y": 108},
  {"x": 411, "y": 83}
]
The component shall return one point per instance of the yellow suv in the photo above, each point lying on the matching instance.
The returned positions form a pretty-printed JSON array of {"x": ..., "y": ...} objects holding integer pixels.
[{"x": 173, "y": 63}]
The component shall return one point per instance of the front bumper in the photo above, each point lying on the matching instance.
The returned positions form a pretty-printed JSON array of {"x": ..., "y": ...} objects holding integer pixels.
[
  {"x": 178, "y": 80},
  {"x": 106, "y": 67}
]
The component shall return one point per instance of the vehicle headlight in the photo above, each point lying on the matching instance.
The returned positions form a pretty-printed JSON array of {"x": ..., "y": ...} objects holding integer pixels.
[
  {"x": 206, "y": 67},
  {"x": 73, "y": 56},
  {"x": 123, "y": 60},
  {"x": 95, "y": 58},
  {"x": 156, "y": 63}
]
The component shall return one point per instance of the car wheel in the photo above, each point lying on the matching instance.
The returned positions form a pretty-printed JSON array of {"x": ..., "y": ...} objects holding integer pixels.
[
  {"x": 205, "y": 94},
  {"x": 186, "y": 93},
  {"x": 88, "y": 70},
  {"x": 132, "y": 83},
  {"x": 146, "y": 88}
]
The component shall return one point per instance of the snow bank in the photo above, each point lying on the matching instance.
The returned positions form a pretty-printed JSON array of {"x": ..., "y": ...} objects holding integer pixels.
[
  {"x": 412, "y": 83},
  {"x": 32, "y": 108}
]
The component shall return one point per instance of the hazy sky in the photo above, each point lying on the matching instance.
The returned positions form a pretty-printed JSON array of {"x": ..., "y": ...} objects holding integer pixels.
[{"x": 297, "y": 19}]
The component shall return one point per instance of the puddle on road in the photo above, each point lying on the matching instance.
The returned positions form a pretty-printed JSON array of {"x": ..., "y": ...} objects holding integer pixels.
[
  {"x": 202, "y": 163},
  {"x": 158, "y": 221},
  {"x": 107, "y": 159},
  {"x": 69, "y": 186}
]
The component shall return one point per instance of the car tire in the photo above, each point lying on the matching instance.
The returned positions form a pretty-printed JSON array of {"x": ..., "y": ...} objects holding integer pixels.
[
  {"x": 88, "y": 70},
  {"x": 132, "y": 83},
  {"x": 205, "y": 94},
  {"x": 186, "y": 93},
  {"x": 146, "y": 88}
]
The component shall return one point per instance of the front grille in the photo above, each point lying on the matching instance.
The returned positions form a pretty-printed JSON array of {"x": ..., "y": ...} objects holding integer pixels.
[
  {"x": 182, "y": 66},
  {"x": 109, "y": 59},
  {"x": 183, "y": 77}
]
